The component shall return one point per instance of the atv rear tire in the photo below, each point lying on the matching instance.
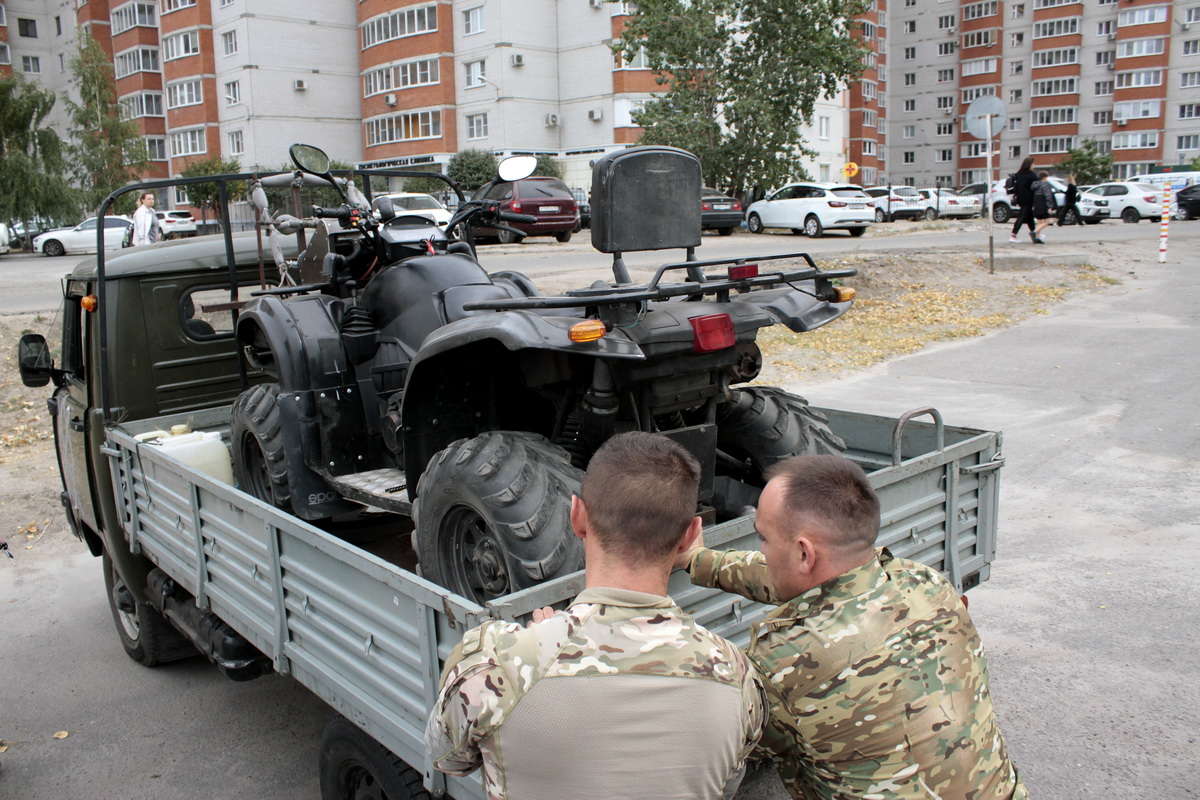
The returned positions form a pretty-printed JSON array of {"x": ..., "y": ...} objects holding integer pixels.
[
  {"x": 493, "y": 515},
  {"x": 765, "y": 425},
  {"x": 259, "y": 446}
]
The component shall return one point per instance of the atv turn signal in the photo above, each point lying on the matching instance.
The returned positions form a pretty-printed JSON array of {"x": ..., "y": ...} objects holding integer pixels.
[
  {"x": 88, "y": 303},
  {"x": 845, "y": 293},
  {"x": 587, "y": 331}
]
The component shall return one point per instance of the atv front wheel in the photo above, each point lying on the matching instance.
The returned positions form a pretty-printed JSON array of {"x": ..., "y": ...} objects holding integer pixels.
[
  {"x": 493, "y": 515},
  {"x": 259, "y": 458},
  {"x": 765, "y": 425}
]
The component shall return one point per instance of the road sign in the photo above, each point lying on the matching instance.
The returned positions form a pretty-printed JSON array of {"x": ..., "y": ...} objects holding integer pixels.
[
  {"x": 850, "y": 170},
  {"x": 982, "y": 111}
]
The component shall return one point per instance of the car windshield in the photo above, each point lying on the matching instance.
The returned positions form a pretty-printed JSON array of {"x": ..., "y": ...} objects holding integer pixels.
[
  {"x": 554, "y": 188},
  {"x": 415, "y": 203},
  {"x": 849, "y": 191}
]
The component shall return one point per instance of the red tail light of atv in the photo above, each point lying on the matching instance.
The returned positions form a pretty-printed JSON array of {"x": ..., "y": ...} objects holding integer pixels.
[
  {"x": 741, "y": 273},
  {"x": 712, "y": 332}
]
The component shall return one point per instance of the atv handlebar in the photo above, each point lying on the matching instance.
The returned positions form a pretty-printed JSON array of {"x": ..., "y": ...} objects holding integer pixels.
[{"x": 509, "y": 216}]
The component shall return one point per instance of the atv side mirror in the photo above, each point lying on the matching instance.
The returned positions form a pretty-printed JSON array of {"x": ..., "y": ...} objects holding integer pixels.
[
  {"x": 309, "y": 159},
  {"x": 33, "y": 360},
  {"x": 514, "y": 168}
]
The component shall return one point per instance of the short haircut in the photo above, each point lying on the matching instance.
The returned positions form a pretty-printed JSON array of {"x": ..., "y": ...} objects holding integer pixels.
[
  {"x": 832, "y": 492},
  {"x": 640, "y": 490},
  {"x": 143, "y": 195},
  {"x": 1043, "y": 175}
]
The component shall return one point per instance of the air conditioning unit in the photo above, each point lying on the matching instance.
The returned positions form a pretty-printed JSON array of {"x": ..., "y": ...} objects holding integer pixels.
[
  {"x": 1110, "y": 67},
  {"x": 595, "y": 114},
  {"x": 1112, "y": 37},
  {"x": 951, "y": 31},
  {"x": 551, "y": 120},
  {"x": 948, "y": 110},
  {"x": 299, "y": 84},
  {"x": 1119, "y": 121},
  {"x": 517, "y": 60},
  {"x": 390, "y": 99},
  {"x": 596, "y": 3}
]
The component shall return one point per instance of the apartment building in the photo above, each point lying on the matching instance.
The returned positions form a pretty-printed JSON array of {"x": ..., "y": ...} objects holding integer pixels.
[
  {"x": 37, "y": 40},
  {"x": 1125, "y": 73}
]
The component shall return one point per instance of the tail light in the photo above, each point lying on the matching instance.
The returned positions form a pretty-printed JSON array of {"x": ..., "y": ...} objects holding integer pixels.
[
  {"x": 1151, "y": 198},
  {"x": 706, "y": 206},
  {"x": 712, "y": 332},
  {"x": 516, "y": 206},
  {"x": 742, "y": 272},
  {"x": 836, "y": 204},
  {"x": 737, "y": 205}
]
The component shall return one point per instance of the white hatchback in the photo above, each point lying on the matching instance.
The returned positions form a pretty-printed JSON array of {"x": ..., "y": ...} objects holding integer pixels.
[
  {"x": 949, "y": 203},
  {"x": 1124, "y": 199},
  {"x": 812, "y": 209},
  {"x": 82, "y": 238},
  {"x": 424, "y": 205}
]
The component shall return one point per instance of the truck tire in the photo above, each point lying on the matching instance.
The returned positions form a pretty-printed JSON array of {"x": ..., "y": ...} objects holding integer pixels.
[
  {"x": 353, "y": 766},
  {"x": 765, "y": 425},
  {"x": 493, "y": 515},
  {"x": 144, "y": 633},
  {"x": 259, "y": 462}
]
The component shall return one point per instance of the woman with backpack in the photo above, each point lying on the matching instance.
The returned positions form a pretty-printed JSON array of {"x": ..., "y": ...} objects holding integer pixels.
[
  {"x": 1044, "y": 205},
  {"x": 1020, "y": 186}
]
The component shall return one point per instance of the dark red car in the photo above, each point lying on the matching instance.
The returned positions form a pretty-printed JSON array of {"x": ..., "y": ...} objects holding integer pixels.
[{"x": 548, "y": 199}]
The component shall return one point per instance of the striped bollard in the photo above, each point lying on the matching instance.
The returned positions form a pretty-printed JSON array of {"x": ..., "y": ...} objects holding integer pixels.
[{"x": 1166, "y": 224}]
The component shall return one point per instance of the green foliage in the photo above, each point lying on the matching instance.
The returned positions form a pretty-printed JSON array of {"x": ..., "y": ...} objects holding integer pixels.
[
  {"x": 547, "y": 166},
  {"x": 33, "y": 185},
  {"x": 1087, "y": 164},
  {"x": 207, "y": 195},
  {"x": 107, "y": 151},
  {"x": 471, "y": 168},
  {"x": 425, "y": 185},
  {"x": 740, "y": 77},
  {"x": 1196, "y": 163}
]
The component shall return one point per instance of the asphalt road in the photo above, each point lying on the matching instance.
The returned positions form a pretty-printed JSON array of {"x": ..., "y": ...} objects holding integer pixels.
[{"x": 1090, "y": 617}]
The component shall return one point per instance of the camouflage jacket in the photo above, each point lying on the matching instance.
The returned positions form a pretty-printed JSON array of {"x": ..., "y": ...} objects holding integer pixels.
[
  {"x": 876, "y": 683},
  {"x": 621, "y": 695}
]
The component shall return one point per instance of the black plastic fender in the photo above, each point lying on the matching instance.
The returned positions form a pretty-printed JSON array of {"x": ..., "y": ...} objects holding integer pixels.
[
  {"x": 799, "y": 311},
  {"x": 303, "y": 335}
]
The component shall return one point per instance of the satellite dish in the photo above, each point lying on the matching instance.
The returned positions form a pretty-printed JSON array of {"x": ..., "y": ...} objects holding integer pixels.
[{"x": 985, "y": 112}]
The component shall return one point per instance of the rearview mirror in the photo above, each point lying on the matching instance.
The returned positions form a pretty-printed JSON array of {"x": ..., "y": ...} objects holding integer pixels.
[
  {"x": 309, "y": 158},
  {"x": 514, "y": 168},
  {"x": 33, "y": 360}
]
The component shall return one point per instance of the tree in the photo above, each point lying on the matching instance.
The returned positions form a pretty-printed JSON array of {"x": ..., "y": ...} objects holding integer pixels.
[
  {"x": 108, "y": 152},
  {"x": 471, "y": 168},
  {"x": 208, "y": 195},
  {"x": 1196, "y": 163},
  {"x": 740, "y": 79},
  {"x": 1087, "y": 163},
  {"x": 33, "y": 184},
  {"x": 547, "y": 166}
]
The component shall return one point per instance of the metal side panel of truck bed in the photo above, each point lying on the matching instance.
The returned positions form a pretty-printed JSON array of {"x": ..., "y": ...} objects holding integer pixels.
[{"x": 369, "y": 637}]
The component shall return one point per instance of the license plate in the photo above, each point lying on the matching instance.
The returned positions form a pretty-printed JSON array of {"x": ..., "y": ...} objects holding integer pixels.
[
  {"x": 720, "y": 206},
  {"x": 547, "y": 209},
  {"x": 857, "y": 205}
]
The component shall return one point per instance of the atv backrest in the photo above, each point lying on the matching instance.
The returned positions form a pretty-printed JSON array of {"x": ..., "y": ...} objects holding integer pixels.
[{"x": 646, "y": 198}]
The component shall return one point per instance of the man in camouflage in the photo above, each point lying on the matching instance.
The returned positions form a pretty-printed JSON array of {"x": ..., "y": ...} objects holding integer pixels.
[
  {"x": 876, "y": 679},
  {"x": 622, "y": 694}
]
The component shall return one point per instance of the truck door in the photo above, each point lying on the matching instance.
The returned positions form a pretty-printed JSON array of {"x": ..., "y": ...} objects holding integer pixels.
[{"x": 72, "y": 406}]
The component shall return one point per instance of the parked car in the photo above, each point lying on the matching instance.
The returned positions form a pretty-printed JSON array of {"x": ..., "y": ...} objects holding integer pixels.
[
  {"x": 3, "y": 239},
  {"x": 176, "y": 224},
  {"x": 903, "y": 202},
  {"x": 1124, "y": 199},
  {"x": 1187, "y": 202},
  {"x": 948, "y": 203},
  {"x": 813, "y": 208},
  {"x": 719, "y": 212},
  {"x": 82, "y": 238},
  {"x": 548, "y": 199},
  {"x": 1004, "y": 206},
  {"x": 419, "y": 204}
]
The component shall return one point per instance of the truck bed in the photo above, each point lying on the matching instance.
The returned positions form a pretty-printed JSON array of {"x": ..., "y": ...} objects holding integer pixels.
[{"x": 368, "y": 636}]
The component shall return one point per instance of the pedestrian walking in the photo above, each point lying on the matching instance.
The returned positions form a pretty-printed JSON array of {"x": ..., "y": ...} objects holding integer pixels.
[
  {"x": 1020, "y": 186},
  {"x": 145, "y": 221},
  {"x": 1070, "y": 198},
  {"x": 1044, "y": 205}
]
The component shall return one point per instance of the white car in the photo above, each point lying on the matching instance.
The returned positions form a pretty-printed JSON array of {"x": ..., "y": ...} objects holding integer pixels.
[
  {"x": 82, "y": 238},
  {"x": 418, "y": 204},
  {"x": 1004, "y": 206},
  {"x": 1124, "y": 199},
  {"x": 901, "y": 202},
  {"x": 949, "y": 203},
  {"x": 812, "y": 209},
  {"x": 3, "y": 239},
  {"x": 176, "y": 224}
]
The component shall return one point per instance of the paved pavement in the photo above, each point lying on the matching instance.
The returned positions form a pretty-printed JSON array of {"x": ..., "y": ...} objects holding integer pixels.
[{"x": 1090, "y": 617}]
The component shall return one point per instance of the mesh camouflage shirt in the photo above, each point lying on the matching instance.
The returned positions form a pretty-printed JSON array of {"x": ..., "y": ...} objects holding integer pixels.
[
  {"x": 621, "y": 695},
  {"x": 876, "y": 684}
]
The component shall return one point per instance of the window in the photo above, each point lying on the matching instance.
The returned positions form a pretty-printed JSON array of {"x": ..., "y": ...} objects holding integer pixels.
[
  {"x": 870, "y": 118},
  {"x": 1189, "y": 80},
  {"x": 868, "y": 31},
  {"x": 870, "y": 60},
  {"x": 1056, "y": 27},
  {"x": 226, "y": 3},
  {"x": 974, "y": 149},
  {"x": 31, "y": 64},
  {"x": 979, "y": 39},
  {"x": 188, "y": 143},
  {"x": 27, "y": 28},
  {"x": 947, "y": 48},
  {"x": 181, "y": 45},
  {"x": 945, "y": 129},
  {"x": 910, "y": 53},
  {"x": 823, "y": 127},
  {"x": 945, "y": 22},
  {"x": 184, "y": 93},
  {"x": 1106, "y": 58},
  {"x": 976, "y": 92},
  {"x": 1103, "y": 88},
  {"x": 868, "y": 147},
  {"x": 1189, "y": 142},
  {"x": 909, "y": 131},
  {"x": 156, "y": 148},
  {"x": 174, "y": 5},
  {"x": 398, "y": 24},
  {"x": 910, "y": 157},
  {"x": 1055, "y": 86},
  {"x": 404, "y": 127},
  {"x": 1141, "y": 47},
  {"x": 1142, "y": 16},
  {"x": 181, "y": 196},
  {"x": 147, "y": 104},
  {"x": 1191, "y": 47},
  {"x": 477, "y": 126},
  {"x": 1014, "y": 151},
  {"x": 945, "y": 101},
  {"x": 1015, "y": 95},
  {"x": 423, "y": 72},
  {"x": 1016, "y": 68},
  {"x": 1192, "y": 15},
  {"x": 910, "y": 26},
  {"x": 1052, "y": 3},
  {"x": 1189, "y": 111},
  {"x": 129, "y": 16},
  {"x": 1054, "y": 58},
  {"x": 869, "y": 89},
  {"x": 3, "y": 17},
  {"x": 475, "y": 74},
  {"x": 979, "y": 10},
  {"x": 910, "y": 79},
  {"x": 229, "y": 44},
  {"x": 1051, "y": 144},
  {"x": 1016, "y": 124},
  {"x": 1017, "y": 11},
  {"x": 1141, "y": 77},
  {"x": 1135, "y": 140},
  {"x": 910, "y": 105},
  {"x": 233, "y": 93},
  {"x": 472, "y": 21},
  {"x": 1102, "y": 118},
  {"x": 236, "y": 145},
  {"x": 1016, "y": 39},
  {"x": 978, "y": 66},
  {"x": 5, "y": 58},
  {"x": 1106, "y": 28},
  {"x": 1137, "y": 109},
  {"x": 139, "y": 59},
  {"x": 1052, "y": 116},
  {"x": 945, "y": 155}
]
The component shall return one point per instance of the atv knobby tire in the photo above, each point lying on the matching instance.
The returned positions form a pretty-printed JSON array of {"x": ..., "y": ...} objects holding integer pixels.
[
  {"x": 493, "y": 515},
  {"x": 765, "y": 425},
  {"x": 259, "y": 446}
]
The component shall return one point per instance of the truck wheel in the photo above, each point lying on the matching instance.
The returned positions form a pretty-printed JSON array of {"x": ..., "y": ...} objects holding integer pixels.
[
  {"x": 259, "y": 463},
  {"x": 493, "y": 515},
  {"x": 353, "y": 766},
  {"x": 764, "y": 425},
  {"x": 144, "y": 633}
]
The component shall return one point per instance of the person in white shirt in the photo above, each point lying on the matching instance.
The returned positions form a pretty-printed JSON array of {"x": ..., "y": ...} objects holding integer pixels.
[{"x": 145, "y": 221}]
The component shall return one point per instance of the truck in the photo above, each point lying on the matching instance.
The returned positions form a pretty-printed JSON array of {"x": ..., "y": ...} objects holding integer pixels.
[{"x": 147, "y": 378}]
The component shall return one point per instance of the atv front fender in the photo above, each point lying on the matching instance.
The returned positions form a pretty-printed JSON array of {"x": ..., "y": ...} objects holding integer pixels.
[{"x": 299, "y": 338}]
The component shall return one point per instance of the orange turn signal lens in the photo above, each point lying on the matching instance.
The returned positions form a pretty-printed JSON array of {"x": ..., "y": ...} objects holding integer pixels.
[
  {"x": 587, "y": 331},
  {"x": 845, "y": 293},
  {"x": 88, "y": 303}
]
